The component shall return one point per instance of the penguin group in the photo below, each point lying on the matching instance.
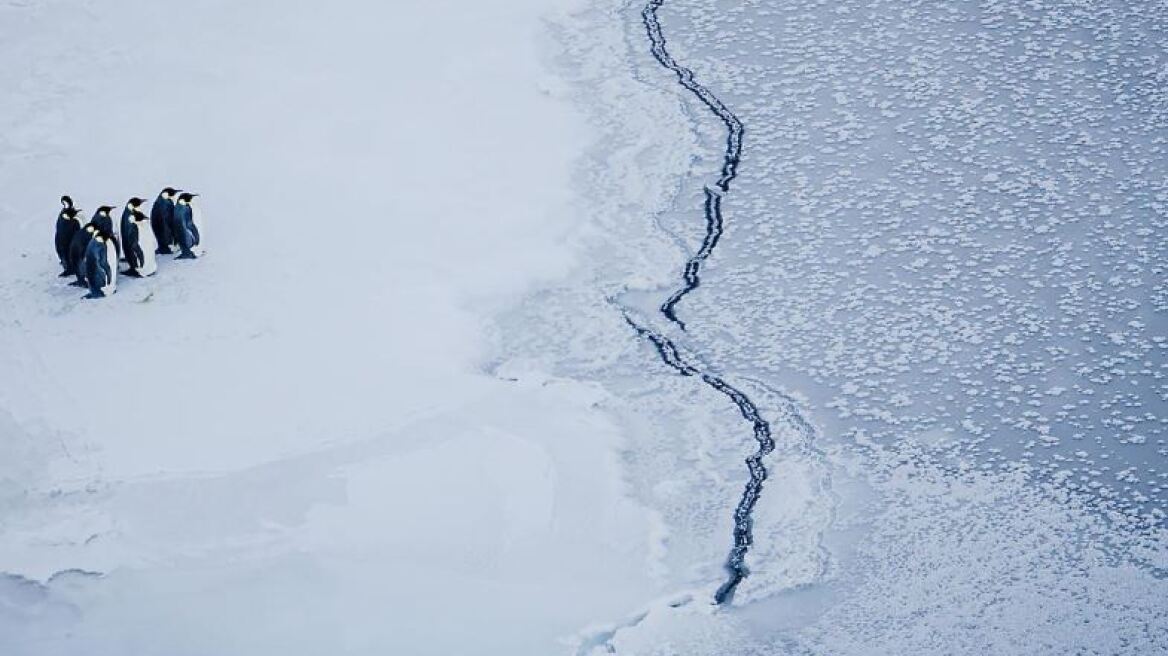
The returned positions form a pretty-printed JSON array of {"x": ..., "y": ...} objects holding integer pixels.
[{"x": 91, "y": 251}]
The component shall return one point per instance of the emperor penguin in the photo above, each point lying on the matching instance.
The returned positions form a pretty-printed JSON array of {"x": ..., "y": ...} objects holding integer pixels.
[
  {"x": 105, "y": 223},
  {"x": 127, "y": 216},
  {"x": 101, "y": 265},
  {"x": 77, "y": 249},
  {"x": 68, "y": 224},
  {"x": 139, "y": 244},
  {"x": 188, "y": 224},
  {"x": 162, "y": 220}
]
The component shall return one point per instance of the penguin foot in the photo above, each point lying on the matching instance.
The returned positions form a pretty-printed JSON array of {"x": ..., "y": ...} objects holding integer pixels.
[
  {"x": 93, "y": 295},
  {"x": 163, "y": 251},
  {"x": 132, "y": 274},
  {"x": 77, "y": 283},
  {"x": 187, "y": 256},
  {"x": 65, "y": 274}
]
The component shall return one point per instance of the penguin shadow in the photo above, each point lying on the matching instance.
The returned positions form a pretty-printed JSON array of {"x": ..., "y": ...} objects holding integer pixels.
[
  {"x": 136, "y": 288},
  {"x": 141, "y": 288},
  {"x": 130, "y": 288}
]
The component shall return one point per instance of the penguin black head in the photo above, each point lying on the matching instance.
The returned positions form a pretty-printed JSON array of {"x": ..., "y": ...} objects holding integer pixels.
[
  {"x": 186, "y": 197},
  {"x": 135, "y": 202},
  {"x": 66, "y": 202},
  {"x": 168, "y": 192},
  {"x": 70, "y": 213},
  {"x": 104, "y": 209}
]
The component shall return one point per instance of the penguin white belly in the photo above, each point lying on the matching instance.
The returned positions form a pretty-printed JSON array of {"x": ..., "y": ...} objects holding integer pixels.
[
  {"x": 148, "y": 243},
  {"x": 197, "y": 220},
  {"x": 111, "y": 256}
]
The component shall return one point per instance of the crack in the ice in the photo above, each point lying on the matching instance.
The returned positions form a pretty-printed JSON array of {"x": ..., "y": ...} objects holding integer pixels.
[
  {"x": 743, "y": 521},
  {"x": 693, "y": 267},
  {"x": 730, "y": 159}
]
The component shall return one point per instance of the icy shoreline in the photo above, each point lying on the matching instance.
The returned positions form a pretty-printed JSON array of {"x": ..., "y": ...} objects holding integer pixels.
[
  {"x": 911, "y": 528},
  {"x": 927, "y": 546},
  {"x": 666, "y": 142}
]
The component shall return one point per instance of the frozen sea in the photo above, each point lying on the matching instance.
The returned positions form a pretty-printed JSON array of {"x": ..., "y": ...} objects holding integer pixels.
[{"x": 500, "y": 301}]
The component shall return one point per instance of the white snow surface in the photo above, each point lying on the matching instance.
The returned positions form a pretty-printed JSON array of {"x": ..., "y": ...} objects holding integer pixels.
[
  {"x": 288, "y": 446},
  {"x": 396, "y": 408}
]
